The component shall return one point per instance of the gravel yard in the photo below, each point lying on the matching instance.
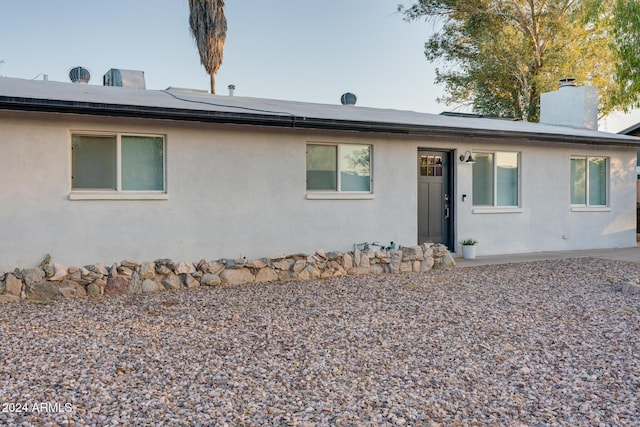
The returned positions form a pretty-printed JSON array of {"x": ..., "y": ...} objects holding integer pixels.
[{"x": 539, "y": 343}]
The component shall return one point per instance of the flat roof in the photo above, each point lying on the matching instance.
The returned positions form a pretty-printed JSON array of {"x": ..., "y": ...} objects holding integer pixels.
[{"x": 190, "y": 105}]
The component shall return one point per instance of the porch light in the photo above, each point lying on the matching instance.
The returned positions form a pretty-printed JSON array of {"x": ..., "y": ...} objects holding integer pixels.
[{"x": 467, "y": 158}]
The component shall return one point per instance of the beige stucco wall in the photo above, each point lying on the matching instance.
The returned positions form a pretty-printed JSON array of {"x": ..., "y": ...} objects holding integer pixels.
[{"x": 236, "y": 191}]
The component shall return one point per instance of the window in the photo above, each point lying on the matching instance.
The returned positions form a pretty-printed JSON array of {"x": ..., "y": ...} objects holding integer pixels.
[
  {"x": 496, "y": 179},
  {"x": 117, "y": 163},
  {"x": 430, "y": 166},
  {"x": 341, "y": 168},
  {"x": 589, "y": 181}
]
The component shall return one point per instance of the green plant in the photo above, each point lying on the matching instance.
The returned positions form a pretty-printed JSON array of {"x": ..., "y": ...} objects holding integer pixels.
[{"x": 469, "y": 242}]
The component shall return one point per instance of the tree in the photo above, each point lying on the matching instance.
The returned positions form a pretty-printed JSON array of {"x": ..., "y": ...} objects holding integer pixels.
[
  {"x": 626, "y": 36},
  {"x": 502, "y": 54},
  {"x": 209, "y": 29}
]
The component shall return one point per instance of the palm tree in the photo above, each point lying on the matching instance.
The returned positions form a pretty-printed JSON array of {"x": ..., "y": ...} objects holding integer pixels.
[{"x": 209, "y": 29}]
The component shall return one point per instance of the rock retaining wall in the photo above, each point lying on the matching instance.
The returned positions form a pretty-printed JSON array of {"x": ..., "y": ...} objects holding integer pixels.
[{"x": 55, "y": 281}]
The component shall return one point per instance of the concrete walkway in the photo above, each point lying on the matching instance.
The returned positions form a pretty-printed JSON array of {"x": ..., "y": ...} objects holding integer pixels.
[{"x": 617, "y": 254}]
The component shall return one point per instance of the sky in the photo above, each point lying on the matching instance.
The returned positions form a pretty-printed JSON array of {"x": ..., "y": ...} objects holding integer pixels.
[{"x": 302, "y": 50}]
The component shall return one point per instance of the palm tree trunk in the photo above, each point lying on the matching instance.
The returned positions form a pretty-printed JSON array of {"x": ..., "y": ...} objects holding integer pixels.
[{"x": 213, "y": 83}]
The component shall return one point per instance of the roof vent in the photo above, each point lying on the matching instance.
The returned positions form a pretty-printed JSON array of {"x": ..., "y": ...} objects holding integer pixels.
[
  {"x": 348, "y": 99},
  {"x": 124, "y": 78},
  {"x": 567, "y": 81},
  {"x": 79, "y": 75},
  {"x": 231, "y": 88}
]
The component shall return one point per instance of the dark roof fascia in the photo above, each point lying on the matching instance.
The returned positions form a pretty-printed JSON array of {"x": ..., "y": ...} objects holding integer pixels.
[
  {"x": 290, "y": 121},
  {"x": 631, "y": 131}
]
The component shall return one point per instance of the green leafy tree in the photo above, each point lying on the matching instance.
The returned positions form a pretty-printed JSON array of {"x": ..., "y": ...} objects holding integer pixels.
[
  {"x": 626, "y": 36},
  {"x": 500, "y": 55},
  {"x": 209, "y": 29}
]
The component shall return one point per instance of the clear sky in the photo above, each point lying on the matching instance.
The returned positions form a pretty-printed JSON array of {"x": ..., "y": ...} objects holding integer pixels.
[{"x": 302, "y": 50}]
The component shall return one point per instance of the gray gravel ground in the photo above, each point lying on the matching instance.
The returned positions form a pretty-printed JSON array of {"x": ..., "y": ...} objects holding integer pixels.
[{"x": 541, "y": 343}]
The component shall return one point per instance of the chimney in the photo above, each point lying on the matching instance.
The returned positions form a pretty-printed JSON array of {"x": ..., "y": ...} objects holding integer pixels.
[
  {"x": 231, "y": 89},
  {"x": 570, "y": 105}
]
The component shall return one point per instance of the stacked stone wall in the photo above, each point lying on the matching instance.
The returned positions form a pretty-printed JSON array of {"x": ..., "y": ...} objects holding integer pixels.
[{"x": 53, "y": 280}]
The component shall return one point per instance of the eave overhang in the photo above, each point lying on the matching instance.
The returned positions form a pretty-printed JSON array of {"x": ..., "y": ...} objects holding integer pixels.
[{"x": 285, "y": 120}]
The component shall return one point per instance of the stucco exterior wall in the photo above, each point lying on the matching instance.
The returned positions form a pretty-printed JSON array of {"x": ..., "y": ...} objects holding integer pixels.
[
  {"x": 231, "y": 193},
  {"x": 240, "y": 191},
  {"x": 546, "y": 221}
]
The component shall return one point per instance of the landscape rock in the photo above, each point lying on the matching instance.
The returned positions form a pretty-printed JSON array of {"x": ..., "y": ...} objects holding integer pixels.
[
  {"x": 150, "y": 277},
  {"x": 189, "y": 282},
  {"x": 113, "y": 272},
  {"x": 356, "y": 257},
  {"x": 9, "y": 298},
  {"x": 237, "y": 276},
  {"x": 150, "y": 287},
  {"x": 312, "y": 271},
  {"x": 347, "y": 261},
  {"x": 101, "y": 269},
  {"x": 96, "y": 288},
  {"x": 117, "y": 285},
  {"x": 210, "y": 280},
  {"x": 185, "y": 267},
  {"x": 171, "y": 281},
  {"x": 376, "y": 269},
  {"x": 412, "y": 253},
  {"x": 125, "y": 271},
  {"x": 364, "y": 261},
  {"x": 131, "y": 265},
  {"x": 32, "y": 276},
  {"x": 284, "y": 265},
  {"x": 68, "y": 289},
  {"x": 299, "y": 265},
  {"x": 147, "y": 270},
  {"x": 258, "y": 263},
  {"x": 266, "y": 275},
  {"x": 12, "y": 285},
  {"x": 426, "y": 265},
  {"x": 59, "y": 272},
  {"x": 42, "y": 291},
  {"x": 166, "y": 262},
  {"x": 213, "y": 267}
]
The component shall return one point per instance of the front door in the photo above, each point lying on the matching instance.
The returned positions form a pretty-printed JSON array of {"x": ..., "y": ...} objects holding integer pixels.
[{"x": 435, "y": 204}]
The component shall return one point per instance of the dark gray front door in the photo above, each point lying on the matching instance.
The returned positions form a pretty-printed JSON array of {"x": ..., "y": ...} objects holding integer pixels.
[{"x": 434, "y": 197}]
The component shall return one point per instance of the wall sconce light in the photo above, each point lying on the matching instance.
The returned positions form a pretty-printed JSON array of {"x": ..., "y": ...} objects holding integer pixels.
[{"x": 467, "y": 157}]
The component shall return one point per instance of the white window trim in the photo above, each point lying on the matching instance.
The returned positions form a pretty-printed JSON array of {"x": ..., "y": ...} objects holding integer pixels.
[
  {"x": 339, "y": 194},
  {"x": 110, "y": 195},
  {"x": 118, "y": 193},
  {"x": 496, "y": 210},
  {"x": 319, "y": 195},
  {"x": 487, "y": 209},
  {"x": 587, "y": 207},
  {"x": 582, "y": 208}
]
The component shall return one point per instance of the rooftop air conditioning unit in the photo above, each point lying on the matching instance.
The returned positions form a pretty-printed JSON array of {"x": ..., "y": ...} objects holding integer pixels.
[{"x": 124, "y": 78}]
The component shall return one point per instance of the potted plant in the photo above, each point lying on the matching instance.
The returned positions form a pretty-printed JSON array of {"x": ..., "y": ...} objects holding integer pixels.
[{"x": 469, "y": 248}]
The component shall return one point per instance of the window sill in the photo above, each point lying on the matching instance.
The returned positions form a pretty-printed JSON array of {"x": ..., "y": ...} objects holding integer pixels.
[
  {"x": 340, "y": 196},
  {"x": 492, "y": 210},
  {"x": 94, "y": 195},
  {"x": 590, "y": 209}
]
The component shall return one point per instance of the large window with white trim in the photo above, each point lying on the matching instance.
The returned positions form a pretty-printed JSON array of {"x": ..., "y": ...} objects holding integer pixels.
[
  {"x": 589, "y": 181},
  {"x": 117, "y": 163},
  {"x": 339, "y": 168},
  {"x": 496, "y": 179}
]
